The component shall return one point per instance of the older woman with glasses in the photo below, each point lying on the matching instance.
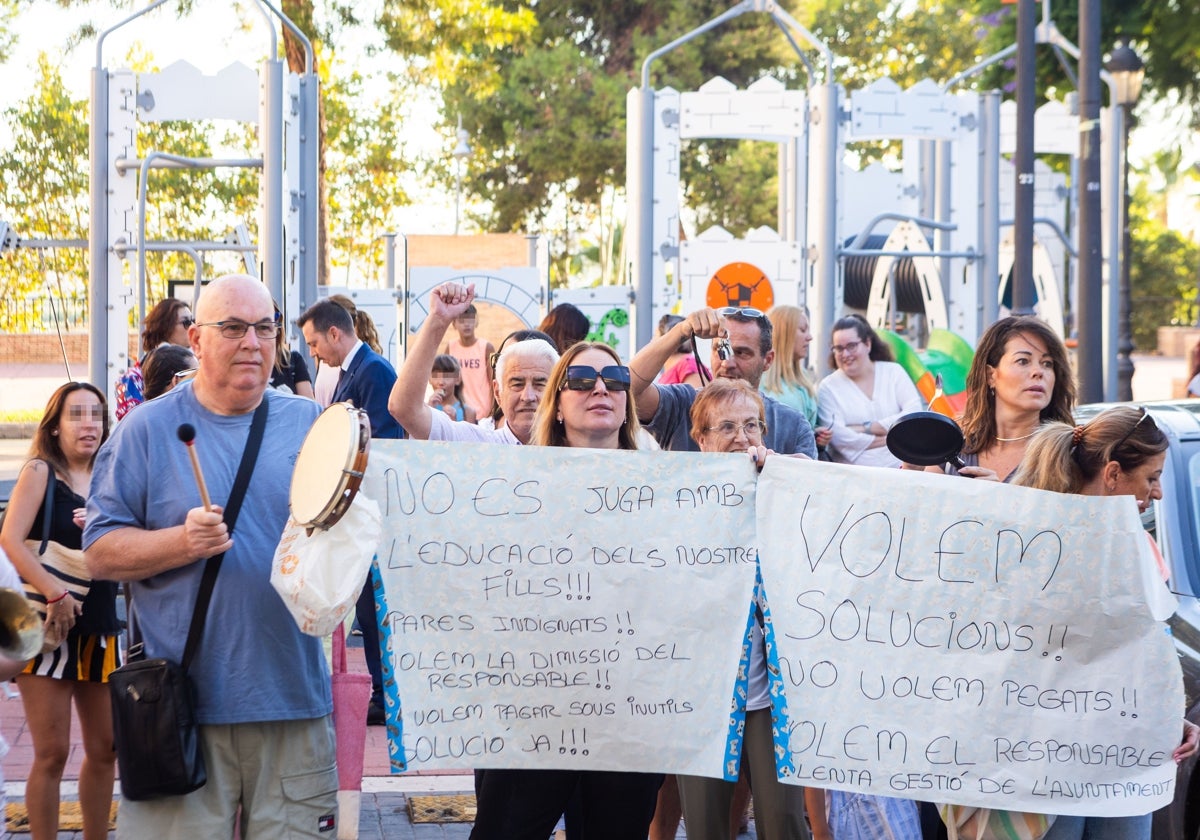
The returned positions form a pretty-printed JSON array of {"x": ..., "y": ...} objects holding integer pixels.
[
  {"x": 728, "y": 416},
  {"x": 585, "y": 404},
  {"x": 865, "y": 395}
]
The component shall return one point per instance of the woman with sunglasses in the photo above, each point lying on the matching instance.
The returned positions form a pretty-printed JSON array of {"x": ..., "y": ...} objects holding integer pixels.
[
  {"x": 1121, "y": 452},
  {"x": 586, "y": 404},
  {"x": 167, "y": 323},
  {"x": 865, "y": 395},
  {"x": 76, "y": 668}
]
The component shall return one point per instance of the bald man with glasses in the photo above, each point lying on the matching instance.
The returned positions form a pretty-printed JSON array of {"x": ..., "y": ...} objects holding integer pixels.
[{"x": 262, "y": 688}]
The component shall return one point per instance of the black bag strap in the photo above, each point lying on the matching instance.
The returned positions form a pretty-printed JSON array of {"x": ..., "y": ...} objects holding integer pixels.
[
  {"x": 47, "y": 509},
  {"x": 257, "y": 426}
]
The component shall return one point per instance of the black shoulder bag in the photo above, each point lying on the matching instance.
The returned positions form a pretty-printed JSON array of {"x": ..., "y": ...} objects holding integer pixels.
[{"x": 155, "y": 731}]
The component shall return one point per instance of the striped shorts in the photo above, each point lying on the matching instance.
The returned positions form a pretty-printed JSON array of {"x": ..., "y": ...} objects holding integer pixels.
[{"x": 81, "y": 657}]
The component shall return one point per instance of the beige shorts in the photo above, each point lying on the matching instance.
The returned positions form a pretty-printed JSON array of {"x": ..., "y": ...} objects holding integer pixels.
[{"x": 283, "y": 774}]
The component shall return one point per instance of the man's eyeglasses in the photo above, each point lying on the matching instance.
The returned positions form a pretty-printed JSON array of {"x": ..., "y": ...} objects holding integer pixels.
[
  {"x": 583, "y": 378},
  {"x": 1133, "y": 428},
  {"x": 845, "y": 349},
  {"x": 729, "y": 429},
  {"x": 266, "y": 330},
  {"x": 741, "y": 313}
]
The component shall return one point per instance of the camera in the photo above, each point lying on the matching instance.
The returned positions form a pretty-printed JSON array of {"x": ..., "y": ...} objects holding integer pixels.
[{"x": 724, "y": 349}]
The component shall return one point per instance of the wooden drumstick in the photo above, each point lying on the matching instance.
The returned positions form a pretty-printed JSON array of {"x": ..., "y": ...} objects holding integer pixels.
[{"x": 187, "y": 434}]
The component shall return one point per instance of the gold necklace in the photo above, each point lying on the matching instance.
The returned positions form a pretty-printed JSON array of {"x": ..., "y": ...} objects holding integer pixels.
[{"x": 1014, "y": 440}]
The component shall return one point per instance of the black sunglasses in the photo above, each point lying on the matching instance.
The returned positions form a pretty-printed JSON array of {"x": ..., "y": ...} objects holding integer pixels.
[
  {"x": 583, "y": 378},
  {"x": 1133, "y": 428}
]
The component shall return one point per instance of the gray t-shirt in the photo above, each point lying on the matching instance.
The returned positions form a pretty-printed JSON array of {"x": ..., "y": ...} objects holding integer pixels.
[
  {"x": 253, "y": 663},
  {"x": 788, "y": 432}
]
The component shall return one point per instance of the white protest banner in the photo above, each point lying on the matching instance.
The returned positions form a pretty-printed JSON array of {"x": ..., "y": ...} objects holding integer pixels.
[
  {"x": 964, "y": 641},
  {"x": 562, "y": 608}
]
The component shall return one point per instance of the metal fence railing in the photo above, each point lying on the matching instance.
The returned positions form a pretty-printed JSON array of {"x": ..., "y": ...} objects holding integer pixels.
[{"x": 38, "y": 314}]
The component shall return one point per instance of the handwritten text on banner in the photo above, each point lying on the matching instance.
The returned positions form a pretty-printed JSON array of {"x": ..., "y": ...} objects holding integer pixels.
[
  {"x": 939, "y": 638},
  {"x": 967, "y": 641},
  {"x": 562, "y": 608}
]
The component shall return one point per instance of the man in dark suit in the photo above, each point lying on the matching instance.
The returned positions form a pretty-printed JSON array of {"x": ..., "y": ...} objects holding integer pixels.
[{"x": 365, "y": 380}]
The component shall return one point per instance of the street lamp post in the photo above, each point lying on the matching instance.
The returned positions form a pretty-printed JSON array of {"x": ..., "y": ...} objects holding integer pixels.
[
  {"x": 461, "y": 152},
  {"x": 1127, "y": 70}
]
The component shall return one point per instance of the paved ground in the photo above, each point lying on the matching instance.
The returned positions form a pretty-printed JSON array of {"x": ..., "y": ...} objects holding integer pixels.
[{"x": 384, "y": 806}]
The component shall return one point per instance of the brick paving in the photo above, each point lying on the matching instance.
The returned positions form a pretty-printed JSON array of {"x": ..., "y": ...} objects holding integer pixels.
[
  {"x": 384, "y": 807},
  {"x": 384, "y": 812}
]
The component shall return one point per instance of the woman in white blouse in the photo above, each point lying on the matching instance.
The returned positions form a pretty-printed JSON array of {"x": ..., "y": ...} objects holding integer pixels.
[{"x": 865, "y": 395}]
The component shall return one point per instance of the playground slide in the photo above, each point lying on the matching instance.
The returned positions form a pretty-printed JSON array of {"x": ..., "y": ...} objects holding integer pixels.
[{"x": 948, "y": 356}]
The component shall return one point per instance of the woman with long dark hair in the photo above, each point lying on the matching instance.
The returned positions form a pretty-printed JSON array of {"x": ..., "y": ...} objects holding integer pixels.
[
  {"x": 1019, "y": 379},
  {"x": 64, "y": 448},
  {"x": 167, "y": 323}
]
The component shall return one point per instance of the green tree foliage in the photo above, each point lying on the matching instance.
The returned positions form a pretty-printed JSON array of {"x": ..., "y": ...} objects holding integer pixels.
[
  {"x": 1166, "y": 34},
  {"x": 8, "y": 18},
  {"x": 44, "y": 193},
  {"x": 363, "y": 150},
  {"x": 1164, "y": 273},
  {"x": 904, "y": 41},
  {"x": 542, "y": 88}
]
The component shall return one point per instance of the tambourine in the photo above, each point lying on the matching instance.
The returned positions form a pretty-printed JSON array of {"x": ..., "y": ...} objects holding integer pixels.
[{"x": 330, "y": 466}]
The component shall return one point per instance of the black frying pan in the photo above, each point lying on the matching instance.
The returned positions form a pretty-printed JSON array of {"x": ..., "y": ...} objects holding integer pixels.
[{"x": 926, "y": 438}]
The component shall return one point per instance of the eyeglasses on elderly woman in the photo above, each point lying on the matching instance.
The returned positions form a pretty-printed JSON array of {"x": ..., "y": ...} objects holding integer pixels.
[{"x": 729, "y": 429}]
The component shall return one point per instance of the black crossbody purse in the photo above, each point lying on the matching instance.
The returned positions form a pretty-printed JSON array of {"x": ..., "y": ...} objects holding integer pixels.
[{"x": 155, "y": 731}]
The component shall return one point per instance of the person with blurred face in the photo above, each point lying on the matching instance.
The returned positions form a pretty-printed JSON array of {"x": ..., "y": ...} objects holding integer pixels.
[
  {"x": 472, "y": 353},
  {"x": 84, "y": 634}
]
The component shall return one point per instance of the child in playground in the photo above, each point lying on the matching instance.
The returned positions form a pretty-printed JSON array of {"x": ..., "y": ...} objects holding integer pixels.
[
  {"x": 445, "y": 382},
  {"x": 472, "y": 353}
]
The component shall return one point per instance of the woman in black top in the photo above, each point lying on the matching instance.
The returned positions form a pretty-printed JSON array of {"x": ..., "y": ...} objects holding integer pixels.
[
  {"x": 291, "y": 371},
  {"x": 74, "y": 426}
]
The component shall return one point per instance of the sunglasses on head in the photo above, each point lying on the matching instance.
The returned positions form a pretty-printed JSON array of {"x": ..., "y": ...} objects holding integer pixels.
[
  {"x": 583, "y": 377},
  {"x": 741, "y": 313},
  {"x": 1133, "y": 428}
]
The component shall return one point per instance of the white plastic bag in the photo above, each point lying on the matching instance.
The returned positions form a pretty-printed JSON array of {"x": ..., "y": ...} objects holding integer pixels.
[{"x": 319, "y": 577}]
